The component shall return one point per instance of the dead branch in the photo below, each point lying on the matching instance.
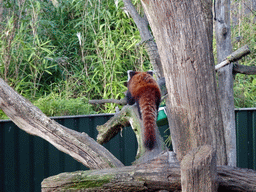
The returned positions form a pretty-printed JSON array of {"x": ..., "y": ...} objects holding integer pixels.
[
  {"x": 102, "y": 101},
  {"x": 112, "y": 127},
  {"x": 129, "y": 116},
  {"x": 247, "y": 70},
  {"x": 146, "y": 37},
  {"x": 235, "y": 56},
  {"x": 30, "y": 119},
  {"x": 159, "y": 174}
]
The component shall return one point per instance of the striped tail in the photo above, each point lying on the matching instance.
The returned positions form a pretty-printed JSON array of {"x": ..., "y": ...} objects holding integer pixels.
[{"x": 148, "y": 109}]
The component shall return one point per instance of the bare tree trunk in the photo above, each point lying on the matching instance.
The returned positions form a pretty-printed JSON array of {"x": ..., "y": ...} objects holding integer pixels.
[
  {"x": 183, "y": 33},
  {"x": 225, "y": 77}
]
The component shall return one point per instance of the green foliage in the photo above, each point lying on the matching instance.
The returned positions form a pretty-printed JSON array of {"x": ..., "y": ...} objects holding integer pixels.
[
  {"x": 56, "y": 105},
  {"x": 245, "y": 91},
  {"x": 243, "y": 32},
  {"x": 68, "y": 50},
  {"x": 61, "y": 52}
]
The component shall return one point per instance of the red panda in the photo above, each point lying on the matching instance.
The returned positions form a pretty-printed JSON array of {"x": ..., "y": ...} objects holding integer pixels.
[{"x": 145, "y": 92}]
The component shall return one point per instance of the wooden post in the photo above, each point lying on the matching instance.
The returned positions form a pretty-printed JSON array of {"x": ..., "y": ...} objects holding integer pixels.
[
  {"x": 225, "y": 77},
  {"x": 198, "y": 170}
]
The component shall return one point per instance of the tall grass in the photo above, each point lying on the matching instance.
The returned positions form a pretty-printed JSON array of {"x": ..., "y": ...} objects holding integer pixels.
[
  {"x": 243, "y": 22},
  {"x": 61, "y": 53},
  {"x": 69, "y": 51}
]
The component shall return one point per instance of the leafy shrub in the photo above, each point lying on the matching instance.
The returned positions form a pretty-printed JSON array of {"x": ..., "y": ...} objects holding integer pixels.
[{"x": 56, "y": 105}]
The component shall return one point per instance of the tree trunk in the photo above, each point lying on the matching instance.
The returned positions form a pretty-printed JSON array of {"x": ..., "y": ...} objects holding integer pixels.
[
  {"x": 225, "y": 77},
  {"x": 183, "y": 33},
  {"x": 198, "y": 170}
]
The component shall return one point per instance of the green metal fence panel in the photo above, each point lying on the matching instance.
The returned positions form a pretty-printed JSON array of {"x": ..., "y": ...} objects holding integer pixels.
[
  {"x": 26, "y": 160},
  {"x": 254, "y": 139},
  {"x": 242, "y": 125},
  {"x": 246, "y": 138}
]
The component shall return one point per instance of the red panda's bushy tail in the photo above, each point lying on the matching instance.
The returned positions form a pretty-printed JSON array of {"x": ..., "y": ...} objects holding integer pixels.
[{"x": 149, "y": 111}]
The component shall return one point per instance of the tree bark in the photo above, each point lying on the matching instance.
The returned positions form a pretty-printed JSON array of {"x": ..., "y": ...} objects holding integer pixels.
[
  {"x": 225, "y": 77},
  {"x": 183, "y": 33}
]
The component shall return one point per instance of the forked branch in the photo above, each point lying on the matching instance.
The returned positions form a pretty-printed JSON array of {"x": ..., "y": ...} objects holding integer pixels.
[{"x": 129, "y": 116}]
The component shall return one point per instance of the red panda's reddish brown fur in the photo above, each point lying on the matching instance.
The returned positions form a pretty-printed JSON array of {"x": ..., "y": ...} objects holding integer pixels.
[{"x": 144, "y": 91}]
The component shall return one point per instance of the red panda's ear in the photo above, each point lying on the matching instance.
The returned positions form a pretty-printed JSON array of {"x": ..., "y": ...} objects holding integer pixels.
[
  {"x": 130, "y": 74},
  {"x": 150, "y": 73}
]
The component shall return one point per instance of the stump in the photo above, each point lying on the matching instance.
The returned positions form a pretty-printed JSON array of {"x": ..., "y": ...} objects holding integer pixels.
[{"x": 198, "y": 170}]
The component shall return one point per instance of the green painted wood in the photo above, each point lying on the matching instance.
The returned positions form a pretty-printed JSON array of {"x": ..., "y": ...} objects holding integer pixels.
[
  {"x": 130, "y": 145},
  {"x": 41, "y": 163}
]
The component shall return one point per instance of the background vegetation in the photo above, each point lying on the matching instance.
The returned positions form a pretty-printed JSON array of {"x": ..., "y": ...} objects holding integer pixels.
[
  {"x": 61, "y": 53},
  {"x": 243, "y": 22}
]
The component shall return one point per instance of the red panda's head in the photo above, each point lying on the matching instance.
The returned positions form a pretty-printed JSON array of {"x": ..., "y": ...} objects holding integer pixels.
[{"x": 132, "y": 73}]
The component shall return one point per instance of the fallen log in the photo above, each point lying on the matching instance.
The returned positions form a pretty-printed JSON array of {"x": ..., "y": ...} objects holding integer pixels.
[{"x": 162, "y": 173}]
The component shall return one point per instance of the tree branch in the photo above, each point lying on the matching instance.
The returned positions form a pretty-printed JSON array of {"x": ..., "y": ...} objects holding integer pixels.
[
  {"x": 102, "y": 101},
  {"x": 247, "y": 70},
  {"x": 30, "y": 119},
  {"x": 146, "y": 38},
  {"x": 235, "y": 56},
  {"x": 158, "y": 174},
  {"x": 112, "y": 127},
  {"x": 129, "y": 115},
  {"x": 141, "y": 23}
]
